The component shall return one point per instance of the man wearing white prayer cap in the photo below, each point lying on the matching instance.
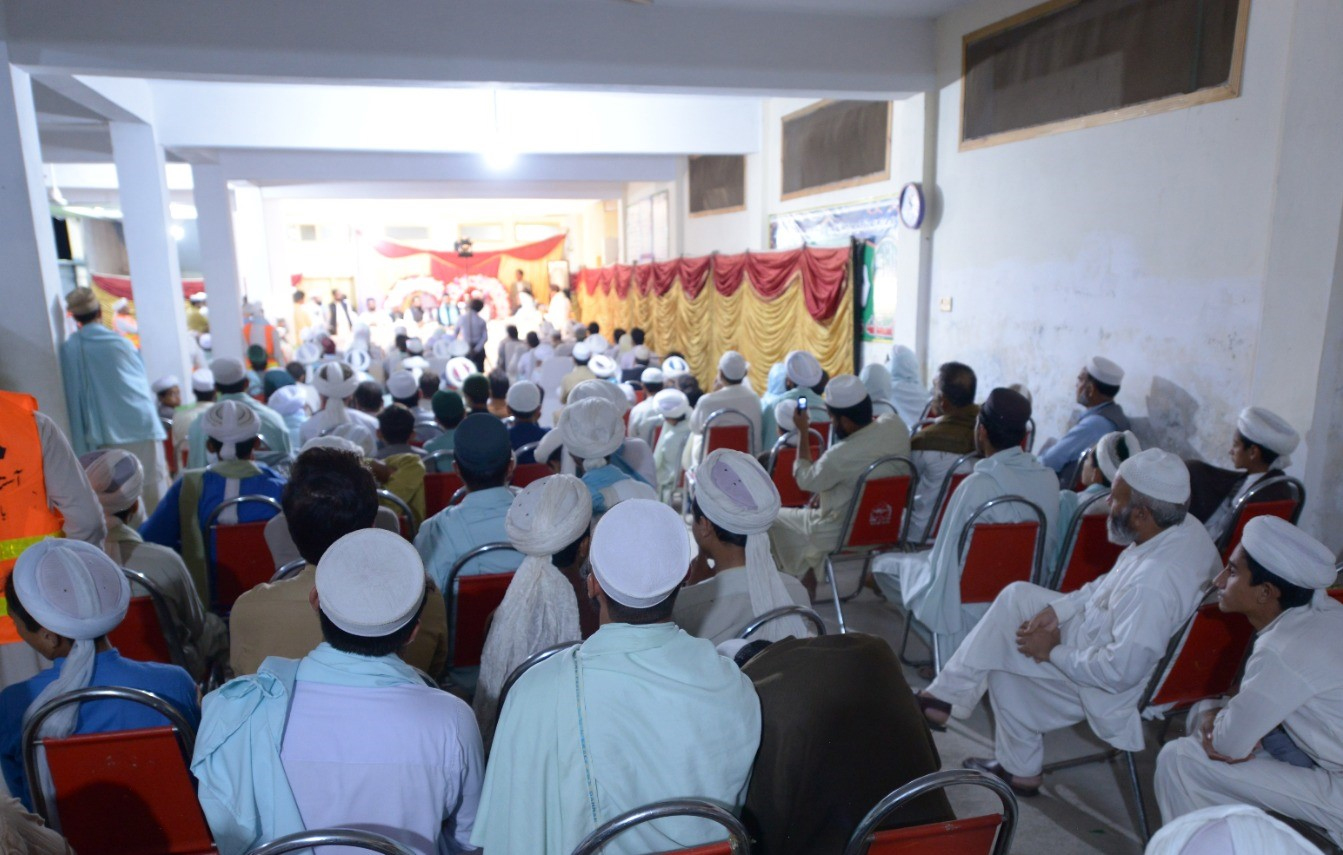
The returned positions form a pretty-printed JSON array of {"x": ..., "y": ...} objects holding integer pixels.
[
  {"x": 203, "y": 390},
  {"x": 349, "y": 735},
  {"x": 116, "y": 478},
  {"x": 1278, "y": 742},
  {"x": 335, "y": 383},
  {"x": 1099, "y": 468},
  {"x": 548, "y": 523},
  {"x": 65, "y": 597},
  {"x": 592, "y": 433},
  {"x": 733, "y": 579},
  {"x": 1097, "y": 384},
  {"x": 181, "y": 520},
  {"x": 404, "y": 388},
  {"x": 1230, "y": 829},
  {"x": 639, "y": 713},
  {"x": 524, "y": 405},
  {"x": 1050, "y": 660},
  {"x": 603, "y": 366},
  {"x": 168, "y": 390},
  {"x": 668, "y": 455},
  {"x": 802, "y": 374},
  {"x": 1259, "y": 451},
  {"x": 803, "y": 536},
  {"x": 582, "y": 355},
  {"x": 230, "y": 378},
  {"x": 644, "y": 416},
  {"x": 635, "y": 452},
  {"x": 732, "y": 391}
]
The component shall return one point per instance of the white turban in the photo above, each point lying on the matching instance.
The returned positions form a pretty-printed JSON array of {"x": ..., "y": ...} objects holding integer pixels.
[
  {"x": 877, "y": 379},
  {"x": 1157, "y": 474},
  {"x": 640, "y": 552},
  {"x": 591, "y": 430},
  {"x": 370, "y": 582},
  {"x": 359, "y": 360},
  {"x": 783, "y": 415},
  {"x": 1228, "y": 830},
  {"x": 335, "y": 381},
  {"x": 1113, "y": 449},
  {"x": 414, "y": 346},
  {"x": 458, "y": 369},
  {"x": 672, "y": 404},
  {"x": 166, "y": 382},
  {"x": 76, "y": 591},
  {"x": 116, "y": 477},
  {"x": 288, "y": 400},
  {"x": 600, "y": 389},
  {"x": 603, "y": 366},
  {"x": 1289, "y": 553},
  {"x": 802, "y": 368},
  {"x": 230, "y": 422},
  {"x": 308, "y": 353},
  {"x": 674, "y": 365},
  {"x": 733, "y": 491},
  {"x": 1267, "y": 428}
]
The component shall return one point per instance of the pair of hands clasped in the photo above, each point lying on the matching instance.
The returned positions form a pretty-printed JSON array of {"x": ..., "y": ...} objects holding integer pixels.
[{"x": 1039, "y": 635}]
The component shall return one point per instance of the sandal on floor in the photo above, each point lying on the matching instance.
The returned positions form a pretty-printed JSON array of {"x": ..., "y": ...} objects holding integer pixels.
[
  {"x": 994, "y": 768},
  {"x": 928, "y": 702}
]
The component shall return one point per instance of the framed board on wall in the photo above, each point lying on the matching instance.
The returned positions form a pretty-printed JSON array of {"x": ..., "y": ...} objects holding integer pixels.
[
  {"x": 717, "y": 184},
  {"x": 835, "y": 144}
]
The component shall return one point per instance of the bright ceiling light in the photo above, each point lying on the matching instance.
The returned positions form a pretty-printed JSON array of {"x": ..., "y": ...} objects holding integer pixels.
[
  {"x": 177, "y": 231},
  {"x": 500, "y": 159}
]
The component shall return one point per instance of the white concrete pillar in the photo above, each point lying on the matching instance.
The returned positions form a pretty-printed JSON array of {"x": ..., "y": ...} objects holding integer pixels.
[
  {"x": 33, "y": 323},
  {"x": 249, "y": 232},
  {"x": 156, "y": 276},
  {"x": 219, "y": 259}
]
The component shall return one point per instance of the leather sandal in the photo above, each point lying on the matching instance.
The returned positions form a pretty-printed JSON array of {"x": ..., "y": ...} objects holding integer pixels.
[
  {"x": 994, "y": 768},
  {"x": 928, "y": 702}
]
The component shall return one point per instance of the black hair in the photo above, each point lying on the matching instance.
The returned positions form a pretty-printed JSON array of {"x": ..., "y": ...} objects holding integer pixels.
[
  {"x": 569, "y": 554},
  {"x": 594, "y": 328},
  {"x": 296, "y": 370},
  {"x": 476, "y": 391},
  {"x": 89, "y": 317},
  {"x": 498, "y": 384},
  {"x": 428, "y": 384},
  {"x": 329, "y": 494},
  {"x": 396, "y": 423},
  {"x": 368, "y": 396},
  {"x": 258, "y": 363},
  {"x": 1267, "y": 455},
  {"x": 533, "y": 340},
  {"x": 299, "y": 296},
  {"x": 819, "y": 388},
  {"x": 617, "y": 333},
  {"x": 400, "y": 342},
  {"x": 16, "y": 608},
  {"x": 359, "y": 645},
  {"x": 959, "y": 383},
  {"x": 512, "y": 331},
  {"x": 1105, "y": 389},
  {"x": 242, "y": 449},
  {"x": 1002, "y": 436},
  {"x": 729, "y": 537},
  {"x": 204, "y": 396},
  {"x": 1289, "y": 596},
  {"x": 652, "y": 388},
  {"x": 638, "y": 335},
  {"x": 860, "y": 413},
  {"x": 657, "y": 613},
  {"x": 477, "y": 304},
  {"x": 231, "y": 388}
]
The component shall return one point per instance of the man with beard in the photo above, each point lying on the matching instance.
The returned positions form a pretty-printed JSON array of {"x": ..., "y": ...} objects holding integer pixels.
[{"x": 1050, "y": 660}]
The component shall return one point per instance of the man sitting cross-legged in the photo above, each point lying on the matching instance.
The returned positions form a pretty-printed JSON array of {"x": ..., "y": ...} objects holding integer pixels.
[{"x": 1050, "y": 660}]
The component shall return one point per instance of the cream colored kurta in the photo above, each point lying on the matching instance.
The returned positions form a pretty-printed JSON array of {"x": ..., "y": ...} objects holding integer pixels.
[{"x": 719, "y": 608}]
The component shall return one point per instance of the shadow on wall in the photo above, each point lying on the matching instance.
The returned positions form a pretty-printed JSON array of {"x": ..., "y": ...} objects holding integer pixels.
[{"x": 1169, "y": 423}]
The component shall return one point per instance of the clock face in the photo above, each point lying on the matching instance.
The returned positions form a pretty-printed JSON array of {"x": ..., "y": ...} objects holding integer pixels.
[{"x": 911, "y": 205}]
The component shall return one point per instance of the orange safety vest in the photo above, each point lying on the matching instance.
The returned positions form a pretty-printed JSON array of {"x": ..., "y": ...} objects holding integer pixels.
[
  {"x": 269, "y": 345},
  {"x": 25, "y": 517}
]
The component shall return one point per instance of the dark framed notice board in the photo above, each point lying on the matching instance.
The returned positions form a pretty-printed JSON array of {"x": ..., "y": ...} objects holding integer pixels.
[
  {"x": 717, "y": 184},
  {"x": 835, "y": 144}
]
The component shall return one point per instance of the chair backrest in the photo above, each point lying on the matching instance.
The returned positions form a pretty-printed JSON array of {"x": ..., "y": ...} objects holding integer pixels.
[
  {"x": 332, "y": 837},
  {"x": 240, "y": 559},
  {"x": 784, "y": 611},
  {"x": 950, "y": 482},
  {"x": 470, "y": 601},
  {"x": 781, "y": 458},
  {"x": 738, "y": 840},
  {"x": 727, "y": 428},
  {"x": 148, "y": 633},
  {"x": 438, "y": 490},
  {"x": 876, "y": 515},
  {"x": 438, "y": 461},
  {"x": 1337, "y": 594},
  {"x": 999, "y": 554},
  {"x": 823, "y": 428},
  {"x": 1087, "y": 551},
  {"x": 990, "y": 834},
  {"x": 405, "y": 516},
  {"x": 1248, "y": 507},
  {"x": 535, "y": 659},
  {"x": 120, "y": 793},
  {"x": 526, "y": 473},
  {"x": 1203, "y": 660},
  {"x": 1028, "y": 441},
  {"x": 287, "y": 571}
]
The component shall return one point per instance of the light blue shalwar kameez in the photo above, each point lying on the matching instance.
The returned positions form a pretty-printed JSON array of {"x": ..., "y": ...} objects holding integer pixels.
[{"x": 106, "y": 391}]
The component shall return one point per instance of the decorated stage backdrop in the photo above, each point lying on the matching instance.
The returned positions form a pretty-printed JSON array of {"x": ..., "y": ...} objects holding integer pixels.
[{"x": 762, "y": 304}]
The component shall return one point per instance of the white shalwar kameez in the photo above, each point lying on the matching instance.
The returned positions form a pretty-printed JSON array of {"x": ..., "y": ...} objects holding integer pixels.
[
  {"x": 1114, "y": 632},
  {"x": 738, "y": 396},
  {"x": 1294, "y": 678}
]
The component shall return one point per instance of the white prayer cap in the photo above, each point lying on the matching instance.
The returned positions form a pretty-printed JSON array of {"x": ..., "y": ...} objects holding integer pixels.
[
  {"x": 116, "y": 477},
  {"x": 166, "y": 382},
  {"x": 590, "y": 429},
  {"x": 442, "y": 348},
  {"x": 783, "y": 414},
  {"x": 288, "y": 400},
  {"x": 733, "y": 366},
  {"x": 640, "y": 552},
  {"x": 227, "y": 370},
  {"x": 844, "y": 391},
  {"x": 458, "y": 347},
  {"x": 416, "y": 365},
  {"x": 651, "y": 375},
  {"x": 1228, "y": 830},
  {"x": 230, "y": 422},
  {"x": 205, "y": 341},
  {"x": 1157, "y": 474},
  {"x": 253, "y": 309},
  {"x": 202, "y": 380},
  {"x": 642, "y": 353},
  {"x": 1105, "y": 371},
  {"x": 1113, "y": 449},
  {"x": 802, "y": 368},
  {"x": 603, "y": 366},
  {"x": 1288, "y": 552},
  {"x": 402, "y": 384},
  {"x": 331, "y": 440},
  {"x": 524, "y": 397},
  {"x": 359, "y": 360},
  {"x": 414, "y": 346},
  {"x": 198, "y": 297},
  {"x": 674, "y": 365},
  {"x": 370, "y": 583},
  {"x": 119, "y": 304},
  {"x": 358, "y": 436},
  {"x": 335, "y": 380},
  {"x": 600, "y": 389},
  {"x": 457, "y": 370},
  {"x": 672, "y": 404},
  {"x": 598, "y": 343},
  {"x": 1267, "y": 428},
  {"x": 548, "y": 515},
  {"x": 582, "y": 351},
  {"x": 308, "y": 352}
]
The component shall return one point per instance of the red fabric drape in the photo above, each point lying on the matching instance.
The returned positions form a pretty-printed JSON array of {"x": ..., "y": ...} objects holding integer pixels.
[
  {"x": 120, "y": 286},
  {"x": 525, "y": 252},
  {"x": 695, "y": 274}
]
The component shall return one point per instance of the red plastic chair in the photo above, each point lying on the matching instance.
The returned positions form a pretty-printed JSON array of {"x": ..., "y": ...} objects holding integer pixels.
[
  {"x": 121, "y": 793},
  {"x": 781, "y": 459},
  {"x": 990, "y": 834},
  {"x": 1087, "y": 547},
  {"x": 240, "y": 559},
  {"x": 439, "y": 488},
  {"x": 148, "y": 633},
  {"x": 823, "y": 428},
  {"x": 471, "y": 600},
  {"x": 404, "y": 515},
  {"x": 953, "y": 479},
  {"x": 736, "y": 436},
  {"x": 1247, "y": 508},
  {"x": 738, "y": 840}
]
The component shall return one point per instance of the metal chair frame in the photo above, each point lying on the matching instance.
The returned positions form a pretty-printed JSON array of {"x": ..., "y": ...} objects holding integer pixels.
[
  {"x": 842, "y": 547},
  {"x": 1239, "y": 506},
  {"x": 782, "y": 443},
  {"x": 1070, "y": 539},
  {"x": 784, "y": 611},
  {"x": 1028, "y": 442},
  {"x": 726, "y": 412},
  {"x": 600, "y": 836},
  {"x": 433, "y": 457},
  {"x": 290, "y": 570},
  {"x": 211, "y": 571},
  {"x": 332, "y": 837},
  {"x": 173, "y": 632},
  {"x": 403, "y": 508},
  {"x": 1077, "y": 469},
  {"x": 859, "y": 842},
  {"x": 535, "y": 659},
  {"x": 939, "y": 503},
  {"x": 186, "y": 736},
  {"x": 890, "y": 408},
  {"x": 451, "y": 593}
]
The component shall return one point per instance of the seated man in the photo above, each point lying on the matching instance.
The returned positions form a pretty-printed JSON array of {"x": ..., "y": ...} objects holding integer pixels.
[
  {"x": 349, "y": 735},
  {"x": 180, "y": 521},
  {"x": 367, "y": 397},
  {"x": 802, "y": 537},
  {"x": 335, "y": 383},
  {"x": 499, "y": 385},
  {"x": 483, "y": 459},
  {"x": 802, "y": 373},
  {"x": 330, "y": 493},
  {"x": 476, "y": 393},
  {"x": 591, "y": 433},
  {"x": 548, "y": 523},
  {"x": 203, "y": 388},
  {"x": 783, "y": 417},
  {"x": 937, "y": 447},
  {"x": 1099, "y": 468},
  {"x": 1097, "y": 384},
  {"x": 65, "y": 597},
  {"x": 449, "y": 410},
  {"x": 930, "y": 582},
  {"x": 524, "y": 405},
  {"x": 634, "y": 452},
  {"x": 116, "y": 477},
  {"x": 731, "y": 392},
  {"x": 1259, "y": 451},
  {"x": 733, "y": 579},
  {"x": 168, "y": 391},
  {"x": 399, "y": 466},
  {"x": 230, "y": 381},
  {"x": 1050, "y": 660},
  {"x": 672, "y": 441},
  {"x": 1278, "y": 742},
  {"x": 640, "y": 712},
  {"x": 644, "y": 417},
  {"x": 404, "y": 389}
]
